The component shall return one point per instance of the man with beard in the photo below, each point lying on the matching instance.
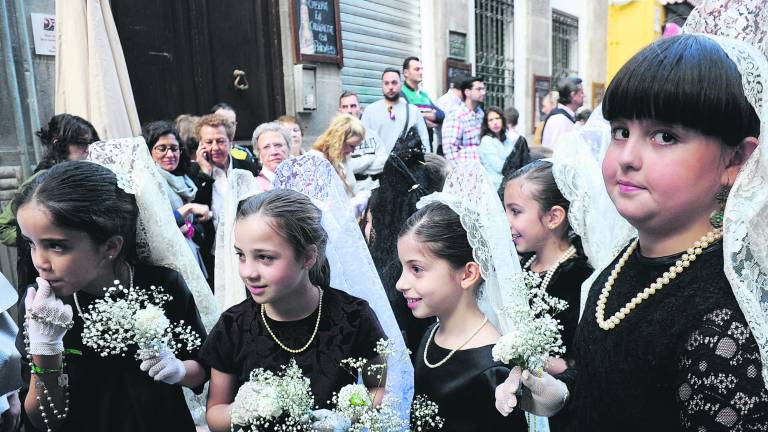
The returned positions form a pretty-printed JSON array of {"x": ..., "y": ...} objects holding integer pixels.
[
  {"x": 461, "y": 129},
  {"x": 387, "y": 117}
]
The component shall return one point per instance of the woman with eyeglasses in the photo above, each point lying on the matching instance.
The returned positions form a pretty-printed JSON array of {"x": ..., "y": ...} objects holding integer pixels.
[{"x": 163, "y": 143}]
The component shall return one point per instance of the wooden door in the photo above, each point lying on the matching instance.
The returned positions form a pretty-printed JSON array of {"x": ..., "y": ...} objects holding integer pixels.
[{"x": 181, "y": 55}]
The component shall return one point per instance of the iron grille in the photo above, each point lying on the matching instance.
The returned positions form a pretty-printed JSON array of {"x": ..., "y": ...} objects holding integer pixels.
[
  {"x": 493, "y": 50},
  {"x": 565, "y": 38}
]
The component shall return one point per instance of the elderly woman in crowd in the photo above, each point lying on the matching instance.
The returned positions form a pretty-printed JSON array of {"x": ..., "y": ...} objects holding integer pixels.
[
  {"x": 272, "y": 144},
  {"x": 163, "y": 143}
]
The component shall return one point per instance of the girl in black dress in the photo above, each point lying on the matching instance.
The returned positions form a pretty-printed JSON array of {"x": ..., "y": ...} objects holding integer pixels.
[
  {"x": 81, "y": 229},
  {"x": 663, "y": 343},
  {"x": 538, "y": 217},
  {"x": 441, "y": 278},
  {"x": 293, "y": 313}
]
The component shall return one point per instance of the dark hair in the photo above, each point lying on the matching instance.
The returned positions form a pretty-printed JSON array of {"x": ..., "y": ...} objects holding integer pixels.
[
  {"x": 153, "y": 131},
  {"x": 468, "y": 83},
  {"x": 437, "y": 168},
  {"x": 439, "y": 229},
  {"x": 458, "y": 79},
  {"x": 62, "y": 131},
  {"x": 546, "y": 193},
  {"x": 686, "y": 80},
  {"x": 565, "y": 87},
  {"x": 408, "y": 60},
  {"x": 297, "y": 221},
  {"x": 485, "y": 130},
  {"x": 221, "y": 105},
  {"x": 84, "y": 196},
  {"x": 348, "y": 93},
  {"x": 512, "y": 116},
  {"x": 390, "y": 69},
  {"x": 583, "y": 115}
]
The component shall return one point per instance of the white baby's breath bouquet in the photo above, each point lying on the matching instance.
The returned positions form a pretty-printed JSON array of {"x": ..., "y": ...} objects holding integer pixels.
[
  {"x": 274, "y": 401},
  {"x": 354, "y": 409},
  {"x": 535, "y": 334},
  {"x": 125, "y": 317}
]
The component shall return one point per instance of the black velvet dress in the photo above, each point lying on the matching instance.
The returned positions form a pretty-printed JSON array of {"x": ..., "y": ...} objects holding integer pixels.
[
  {"x": 565, "y": 284},
  {"x": 239, "y": 342},
  {"x": 684, "y": 359},
  {"x": 111, "y": 394},
  {"x": 464, "y": 388}
]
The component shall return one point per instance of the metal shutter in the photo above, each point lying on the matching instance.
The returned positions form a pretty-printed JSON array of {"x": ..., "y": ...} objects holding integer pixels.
[{"x": 376, "y": 34}]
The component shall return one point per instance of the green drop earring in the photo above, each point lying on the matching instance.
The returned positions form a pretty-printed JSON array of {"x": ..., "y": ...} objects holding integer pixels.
[{"x": 716, "y": 218}]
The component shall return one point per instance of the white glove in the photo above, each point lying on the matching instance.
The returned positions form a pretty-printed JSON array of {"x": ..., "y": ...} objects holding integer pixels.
[
  {"x": 329, "y": 421},
  {"x": 48, "y": 319},
  {"x": 545, "y": 397},
  {"x": 164, "y": 367}
]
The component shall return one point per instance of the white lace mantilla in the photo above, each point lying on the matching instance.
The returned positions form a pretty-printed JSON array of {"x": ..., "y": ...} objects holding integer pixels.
[{"x": 470, "y": 194}]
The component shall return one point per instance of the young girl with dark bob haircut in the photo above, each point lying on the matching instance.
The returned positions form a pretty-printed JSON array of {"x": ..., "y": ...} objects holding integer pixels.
[{"x": 668, "y": 337}]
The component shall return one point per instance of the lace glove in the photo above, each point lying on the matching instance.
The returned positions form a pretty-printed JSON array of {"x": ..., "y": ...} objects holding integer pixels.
[
  {"x": 329, "y": 421},
  {"x": 543, "y": 396},
  {"x": 164, "y": 367},
  {"x": 47, "y": 320}
]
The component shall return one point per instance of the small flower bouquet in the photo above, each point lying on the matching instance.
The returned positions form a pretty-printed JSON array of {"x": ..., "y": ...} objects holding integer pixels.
[
  {"x": 274, "y": 402},
  {"x": 536, "y": 333},
  {"x": 124, "y": 317},
  {"x": 355, "y": 409}
]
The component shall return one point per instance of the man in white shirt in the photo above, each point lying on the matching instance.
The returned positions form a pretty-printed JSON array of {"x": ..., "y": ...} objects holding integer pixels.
[
  {"x": 386, "y": 118},
  {"x": 561, "y": 120}
]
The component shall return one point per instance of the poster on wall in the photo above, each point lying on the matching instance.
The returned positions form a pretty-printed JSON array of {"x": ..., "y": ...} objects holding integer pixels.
[
  {"x": 541, "y": 87},
  {"x": 317, "y": 31},
  {"x": 44, "y": 33}
]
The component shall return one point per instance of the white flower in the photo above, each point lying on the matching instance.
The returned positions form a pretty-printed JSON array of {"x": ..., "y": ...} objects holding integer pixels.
[
  {"x": 354, "y": 397},
  {"x": 255, "y": 400},
  {"x": 151, "y": 322}
]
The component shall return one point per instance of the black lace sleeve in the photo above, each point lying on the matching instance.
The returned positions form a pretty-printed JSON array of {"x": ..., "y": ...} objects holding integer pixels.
[{"x": 720, "y": 385}]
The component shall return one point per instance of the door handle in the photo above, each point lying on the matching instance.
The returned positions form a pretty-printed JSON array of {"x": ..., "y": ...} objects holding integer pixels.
[{"x": 241, "y": 82}]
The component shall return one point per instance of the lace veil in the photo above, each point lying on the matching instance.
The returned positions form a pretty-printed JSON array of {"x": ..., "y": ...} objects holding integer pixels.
[
  {"x": 228, "y": 287},
  {"x": 352, "y": 268},
  {"x": 156, "y": 244},
  {"x": 740, "y": 28},
  {"x": 470, "y": 194}
]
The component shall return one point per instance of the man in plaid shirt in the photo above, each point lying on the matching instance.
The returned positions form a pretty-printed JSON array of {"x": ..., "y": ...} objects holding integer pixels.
[{"x": 461, "y": 128}]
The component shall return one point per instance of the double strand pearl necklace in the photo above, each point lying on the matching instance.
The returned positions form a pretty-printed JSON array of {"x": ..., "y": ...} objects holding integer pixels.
[
  {"x": 688, "y": 257},
  {"x": 130, "y": 287},
  {"x": 453, "y": 351},
  {"x": 311, "y": 338},
  {"x": 571, "y": 251}
]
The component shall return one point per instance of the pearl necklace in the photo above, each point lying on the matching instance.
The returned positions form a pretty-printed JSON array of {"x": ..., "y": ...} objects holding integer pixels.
[
  {"x": 450, "y": 354},
  {"x": 685, "y": 261},
  {"x": 311, "y": 338},
  {"x": 130, "y": 287},
  {"x": 548, "y": 276}
]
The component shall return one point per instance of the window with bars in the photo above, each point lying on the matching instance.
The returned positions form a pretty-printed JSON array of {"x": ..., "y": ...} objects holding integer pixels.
[
  {"x": 565, "y": 40},
  {"x": 493, "y": 50}
]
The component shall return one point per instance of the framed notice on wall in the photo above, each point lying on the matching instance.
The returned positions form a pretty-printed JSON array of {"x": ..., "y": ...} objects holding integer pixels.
[
  {"x": 317, "y": 31},
  {"x": 456, "y": 69},
  {"x": 541, "y": 87}
]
